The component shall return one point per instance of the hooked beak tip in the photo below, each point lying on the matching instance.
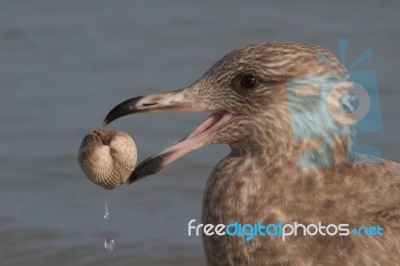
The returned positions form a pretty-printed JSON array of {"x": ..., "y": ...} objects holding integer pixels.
[{"x": 125, "y": 108}]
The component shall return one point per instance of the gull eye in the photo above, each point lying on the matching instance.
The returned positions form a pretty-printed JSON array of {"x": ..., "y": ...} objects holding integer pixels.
[{"x": 248, "y": 81}]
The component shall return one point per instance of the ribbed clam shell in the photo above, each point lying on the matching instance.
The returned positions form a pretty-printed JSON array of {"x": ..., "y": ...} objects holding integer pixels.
[{"x": 107, "y": 157}]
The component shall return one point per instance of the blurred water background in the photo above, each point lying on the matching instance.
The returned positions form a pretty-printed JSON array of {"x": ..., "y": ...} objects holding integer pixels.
[{"x": 65, "y": 64}]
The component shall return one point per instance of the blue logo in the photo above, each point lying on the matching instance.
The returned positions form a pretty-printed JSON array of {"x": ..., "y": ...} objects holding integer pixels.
[
  {"x": 335, "y": 105},
  {"x": 280, "y": 229}
]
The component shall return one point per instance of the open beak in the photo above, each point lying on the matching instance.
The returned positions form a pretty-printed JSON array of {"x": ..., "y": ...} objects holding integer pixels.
[{"x": 175, "y": 101}]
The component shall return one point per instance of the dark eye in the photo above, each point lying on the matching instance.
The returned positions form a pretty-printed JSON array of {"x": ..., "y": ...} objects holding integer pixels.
[{"x": 248, "y": 81}]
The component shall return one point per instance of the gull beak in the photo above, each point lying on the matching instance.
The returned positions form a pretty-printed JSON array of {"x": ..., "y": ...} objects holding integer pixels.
[{"x": 175, "y": 101}]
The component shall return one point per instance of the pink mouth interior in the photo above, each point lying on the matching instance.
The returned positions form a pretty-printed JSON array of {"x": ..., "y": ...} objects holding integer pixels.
[
  {"x": 212, "y": 122},
  {"x": 191, "y": 142}
]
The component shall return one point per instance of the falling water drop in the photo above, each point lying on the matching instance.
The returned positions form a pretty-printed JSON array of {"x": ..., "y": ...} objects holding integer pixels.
[
  {"x": 109, "y": 243},
  {"x": 106, "y": 213}
]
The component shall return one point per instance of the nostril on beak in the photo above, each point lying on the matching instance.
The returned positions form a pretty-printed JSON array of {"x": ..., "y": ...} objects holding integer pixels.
[{"x": 148, "y": 104}]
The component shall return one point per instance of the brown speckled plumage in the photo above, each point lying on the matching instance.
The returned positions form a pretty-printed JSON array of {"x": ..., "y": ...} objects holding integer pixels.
[{"x": 261, "y": 180}]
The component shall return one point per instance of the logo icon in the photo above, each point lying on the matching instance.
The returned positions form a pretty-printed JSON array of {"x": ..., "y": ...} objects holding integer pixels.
[{"x": 335, "y": 105}]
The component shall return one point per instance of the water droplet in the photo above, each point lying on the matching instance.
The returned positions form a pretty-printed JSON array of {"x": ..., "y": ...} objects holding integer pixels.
[
  {"x": 109, "y": 243},
  {"x": 106, "y": 213}
]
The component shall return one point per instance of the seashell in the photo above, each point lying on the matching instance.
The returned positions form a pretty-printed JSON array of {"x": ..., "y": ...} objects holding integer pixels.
[{"x": 107, "y": 157}]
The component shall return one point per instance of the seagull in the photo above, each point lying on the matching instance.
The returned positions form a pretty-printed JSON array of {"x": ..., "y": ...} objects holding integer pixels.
[{"x": 291, "y": 158}]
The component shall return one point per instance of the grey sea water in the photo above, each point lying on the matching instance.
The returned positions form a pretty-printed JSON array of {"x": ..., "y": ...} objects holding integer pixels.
[{"x": 65, "y": 64}]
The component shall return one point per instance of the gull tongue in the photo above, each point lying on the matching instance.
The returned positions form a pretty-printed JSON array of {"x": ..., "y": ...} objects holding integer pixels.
[
  {"x": 156, "y": 162},
  {"x": 206, "y": 124}
]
